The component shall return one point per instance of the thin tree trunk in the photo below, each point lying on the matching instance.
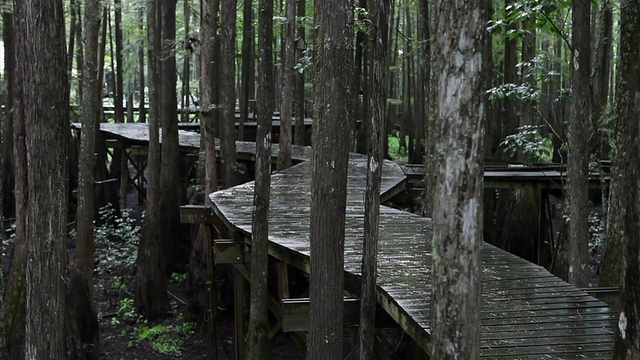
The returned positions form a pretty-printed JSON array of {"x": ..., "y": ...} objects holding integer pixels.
[
  {"x": 284, "y": 156},
  {"x": 375, "y": 155},
  {"x": 578, "y": 164},
  {"x": 626, "y": 227},
  {"x": 119, "y": 74},
  {"x": 457, "y": 256},
  {"x": 151, "y": 288},
  {"x": 247, "y": 55},
  {"x": 509, "y": 115},
  {"x": 80, "y": 51},
  {"x": 258, "y": 332},
  {"x": 173, "y": 191},
  {"x": 228, "y": 153},
  {"x": 8, "y": 160},
  {"x": 621, "y": 173},
  {"x": 301, "y": 130},
  {"x": 45, "y": 95},
  {"x": 429, "y": 128},
  {"x": 333, "y": 50},
  {"x": 72, "y": 38},
  {"x": 186, "y": 63},
  {"x": 81, "y": 279},
  {"x": 142, "y": 110},
  {"x": 209, "y": 29},
  {"x": 360, "y": 138}
]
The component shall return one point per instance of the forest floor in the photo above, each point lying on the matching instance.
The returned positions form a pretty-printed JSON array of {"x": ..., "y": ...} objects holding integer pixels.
[{"x": 178, "y": 335}]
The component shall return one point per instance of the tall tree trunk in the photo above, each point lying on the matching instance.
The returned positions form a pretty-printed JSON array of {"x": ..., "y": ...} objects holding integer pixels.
[
  {"x": 210, "y": 13},
  {"x": 528, "y": 76},
  {"x": 258, "y": 332},
  {"x": 578, "y": 164},
  {"x": 301, "y": 130},
  {"x": 186, "y": 63},
  {"x": 284, "y": 156},
  {"x": 14, "y": 171},
  {"x": 621, "y": 173},
  {"x": 333, "y": 48},
  {"x": 170, "y": 175},
  {"x": 142, "y": 110},
  {"x": 361, "y": 42},
  {"x": 509, "y": 116},
  {"x": 602, "y": 67},
  {"x": 627, "y": 225},
  {"x": 375, "y": 155},
  {"x": 151, "y": 288},
  {"x": 119, "y": 73},
  {"x": 429, "y": 126},
  {"x": 72, "y": 39},
  {"x": 8, "y": 160},
  {"x": 228, "y": 154},
  {"x": 457, "y": 219},
  {"x": 80, "y": 52},
  {"x": 247, "y": 71},
  {"x": 81, "y": 278},
  {"x": 45, "y": 95},
  {"x": 227, "y": 51}
]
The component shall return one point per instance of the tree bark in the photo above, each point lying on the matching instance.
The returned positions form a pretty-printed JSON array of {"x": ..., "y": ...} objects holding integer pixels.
[
  {"x": 15, "y": 290},
  {"x": 429, "y": 126},
  {"x": 286, "y": 108},
  {"x": 228, "y": 154},
  {"x": 578, "y": 161},
  {"x": 457, "y": 240},
  {"x": 301, "y": 130},
  {"x": 8, "y": 160},
  {"x": 186, "y": 63},
  {"x": 258, "y": 332},
  {"x": 375, "y": 155},
  {"x": 210, "y": 13},
  {"x": 509, "y": 116},
  {"x": 247, "y": 70},
  {"x": 45, "y": 95},
  {"x": 81, "y": 281},
  {"x": 142, "y": 110},
  {"x": 172, "y": 187},
  {"x": 151, "y": 288},
  {"x": 626, "y": 126},
  {"x": 627, "y": 224},
  {"x": 119, "y": 73},
  {"x": 333, "y": 50}
]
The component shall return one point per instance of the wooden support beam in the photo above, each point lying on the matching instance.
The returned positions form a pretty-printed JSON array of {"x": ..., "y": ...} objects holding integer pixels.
[
  {"x": 230, "y": 252},
  {"x": 198, "y": 214},
  {"x": 212, "y": 292},
  {"x": 240, "y": 291},
  {"x": 295, "y": 314}
]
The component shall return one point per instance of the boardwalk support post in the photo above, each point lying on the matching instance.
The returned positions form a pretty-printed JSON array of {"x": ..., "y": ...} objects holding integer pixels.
[{"x": 203, "y": 215}]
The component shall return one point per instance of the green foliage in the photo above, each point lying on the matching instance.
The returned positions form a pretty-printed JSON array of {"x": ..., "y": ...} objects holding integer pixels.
[
  {"x": 166, "y": 340},
  {"x": 398, "y": 153},
  {"x": 116, "y": 240},
  {"x": 179, "y": 278},
  {"x": 529, "y": 142}
]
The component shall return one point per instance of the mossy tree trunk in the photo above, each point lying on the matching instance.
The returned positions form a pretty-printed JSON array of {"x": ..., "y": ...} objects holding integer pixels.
[{"x": 458, "y": 207}]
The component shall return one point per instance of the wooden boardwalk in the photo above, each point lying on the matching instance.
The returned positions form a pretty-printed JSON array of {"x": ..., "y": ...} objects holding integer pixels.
[{"x": 527, "y": 313}]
